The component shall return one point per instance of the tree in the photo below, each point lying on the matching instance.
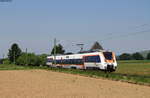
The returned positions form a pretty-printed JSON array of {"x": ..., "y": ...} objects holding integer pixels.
[
  {"x": 59, "y": 49},
  {"x": 137, "y": 56},
  {"x": 1, "y": 61},
  {"x": 14, "y": 53},
  {"x": 148, "y": 56},
  {"x": 43, "y": 59},
  {"x": 125, "y": 56},
  {"x": 96, "y": 45}
]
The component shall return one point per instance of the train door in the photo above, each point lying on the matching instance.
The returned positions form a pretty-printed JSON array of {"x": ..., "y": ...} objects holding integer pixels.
[{"x": 92, "y": 61}]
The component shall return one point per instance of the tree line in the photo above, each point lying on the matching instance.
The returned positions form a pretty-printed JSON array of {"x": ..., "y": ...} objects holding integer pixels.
[
  {"x": 16, "y": 56},
  {"x": 134, "y": 56}
]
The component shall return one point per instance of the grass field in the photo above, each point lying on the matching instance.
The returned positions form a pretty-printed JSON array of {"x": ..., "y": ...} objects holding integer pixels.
[
  {"x": 134, "y": 67},
  {"x": 130, "y": 71},
  {"x": 15, "y": 67}
]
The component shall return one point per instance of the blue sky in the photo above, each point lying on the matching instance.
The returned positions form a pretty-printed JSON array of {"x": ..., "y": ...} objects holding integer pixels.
[{"x": 119, "y": 25}]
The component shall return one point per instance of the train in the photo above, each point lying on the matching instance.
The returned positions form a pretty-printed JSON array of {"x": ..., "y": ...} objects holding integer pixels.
[{"x": 103, "y": 60}]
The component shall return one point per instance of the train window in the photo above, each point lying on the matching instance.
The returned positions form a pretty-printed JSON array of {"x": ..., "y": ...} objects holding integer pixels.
[
  {"x": 92, "y": 59},
  {"x": 72, "y": 61},
  {"x": 49, "y": 60},
  {"x": 65, "y": 61},
  {"x": 108, "y": 55},
  {"x": 79, "y": 61},
  {"x": 68, "y": 61},
  {"x": 57, "y": 61}
]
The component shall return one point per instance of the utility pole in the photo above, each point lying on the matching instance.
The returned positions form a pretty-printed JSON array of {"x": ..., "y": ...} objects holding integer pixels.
[{"x": 55, "y": 51}]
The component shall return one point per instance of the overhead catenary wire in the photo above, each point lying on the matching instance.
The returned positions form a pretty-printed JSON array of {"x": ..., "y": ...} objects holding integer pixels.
[
  {"x": 141, "y": 30},
  {"x": 127, "y": 35}
]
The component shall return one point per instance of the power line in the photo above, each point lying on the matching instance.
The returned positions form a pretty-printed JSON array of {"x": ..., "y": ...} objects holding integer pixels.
[
  {"x": 127, "y": 35},
  {"x": 143, "y": 25},
  {"x": 81, "y": 46},
  {"x": 112, "y": 36}
]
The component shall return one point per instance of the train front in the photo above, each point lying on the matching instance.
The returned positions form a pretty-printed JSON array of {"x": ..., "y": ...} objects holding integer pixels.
[{"x": 109, "y": 61}]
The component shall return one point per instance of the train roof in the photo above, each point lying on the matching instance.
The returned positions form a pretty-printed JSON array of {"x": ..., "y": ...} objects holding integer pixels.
[{"x": 82, "y": 52}]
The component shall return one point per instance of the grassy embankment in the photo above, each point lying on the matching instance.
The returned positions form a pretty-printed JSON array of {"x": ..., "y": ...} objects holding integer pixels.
[{"x": 130, "y": 71}]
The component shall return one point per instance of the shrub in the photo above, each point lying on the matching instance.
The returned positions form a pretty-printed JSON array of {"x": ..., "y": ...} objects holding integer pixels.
[
  {"x": 6, "y": 61},
  {"x": 137, "y": 56},
  {"x": 42, "y": 59},
  {"x": 31, "y": 59},
  {"x": 148, "y": 56},
  {"x": 125, "y": 56},
  {"x": 28, "y": 59}
]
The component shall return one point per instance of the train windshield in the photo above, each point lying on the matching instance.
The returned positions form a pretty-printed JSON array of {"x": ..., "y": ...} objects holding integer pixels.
[{"x": 108, "y": 55}]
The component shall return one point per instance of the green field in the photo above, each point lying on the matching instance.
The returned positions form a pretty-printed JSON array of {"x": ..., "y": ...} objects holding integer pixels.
[
  {"x": 15, "y": 67},
  {"x": 134, "y": 67},
  {"x": 132, "y": 71}
]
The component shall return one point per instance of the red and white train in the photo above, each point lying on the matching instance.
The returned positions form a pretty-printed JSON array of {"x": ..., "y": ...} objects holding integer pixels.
[{"x": 104, "y": 60}]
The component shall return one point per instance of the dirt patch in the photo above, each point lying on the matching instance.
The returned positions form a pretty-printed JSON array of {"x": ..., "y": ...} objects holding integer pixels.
[{"x": 47, "y": 84}]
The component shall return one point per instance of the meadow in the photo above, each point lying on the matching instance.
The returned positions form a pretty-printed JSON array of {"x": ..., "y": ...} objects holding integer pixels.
[
  {"x": 133, "y": 71},
  {"x": 134, "y": 67}
]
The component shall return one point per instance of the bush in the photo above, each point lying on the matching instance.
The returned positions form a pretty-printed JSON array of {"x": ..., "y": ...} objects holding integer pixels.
[
  {"x": 31, "y": 59},
  {"x": 148, "y": 56},
  {"x": 1, "y": 61},
  {"x": 5, "y": 61},
  {"x": 42, "y": 59},
  {"x": 28, "y": 59},
  {"x": 137, "y": 56},
  {"x": 22, "y": 60},
  {"x": 125, "y": 56}
]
